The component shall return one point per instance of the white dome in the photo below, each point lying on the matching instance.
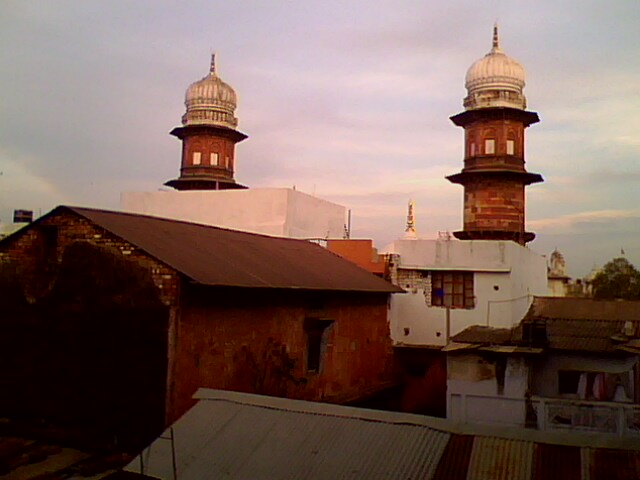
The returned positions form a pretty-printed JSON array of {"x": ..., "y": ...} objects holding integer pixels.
[
  {"x": 496, "y": 80},
  {"x": 210, "y": 101}
]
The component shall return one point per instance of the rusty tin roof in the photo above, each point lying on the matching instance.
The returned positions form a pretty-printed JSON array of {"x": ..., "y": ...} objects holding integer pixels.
[
  {"x": 222, "y": 257},
  {"x": 572, "y": 324}
]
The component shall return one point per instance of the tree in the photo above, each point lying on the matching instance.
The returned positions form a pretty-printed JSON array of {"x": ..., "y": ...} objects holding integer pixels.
[{"x": 618, "y": 279}]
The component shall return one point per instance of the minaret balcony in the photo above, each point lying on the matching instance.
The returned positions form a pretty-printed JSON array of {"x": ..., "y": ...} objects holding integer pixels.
[{"x": 494, "y": 162}]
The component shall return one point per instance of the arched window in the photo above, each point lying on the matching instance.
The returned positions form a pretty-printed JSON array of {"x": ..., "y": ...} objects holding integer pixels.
[
  {"x": 197, "y": 158},
  {"x": 489, "y": 146},
  {"x": 489, "y": 143},
  {"x": 511, "y": 142}
]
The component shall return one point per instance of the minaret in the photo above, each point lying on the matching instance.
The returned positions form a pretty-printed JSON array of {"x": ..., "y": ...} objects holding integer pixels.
[
  {"x": 410, "y": 232},
  {"x": 209, "y": 135},
  {"x": 494, "y": 175}
]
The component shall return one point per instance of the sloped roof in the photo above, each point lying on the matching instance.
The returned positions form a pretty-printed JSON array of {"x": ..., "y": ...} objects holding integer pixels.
[
  {"x": 483, "y": 334},
  {"x": 583, "y": 324},
  {"x": 585, "y": 309},
  {"x": 572, "y": 324},
  {"x": 242, "y": 436},
  {"x": 222, "y": 257}
]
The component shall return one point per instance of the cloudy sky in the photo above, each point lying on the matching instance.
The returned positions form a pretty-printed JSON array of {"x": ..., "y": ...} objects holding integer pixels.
[{"x": 345, "y": 99}]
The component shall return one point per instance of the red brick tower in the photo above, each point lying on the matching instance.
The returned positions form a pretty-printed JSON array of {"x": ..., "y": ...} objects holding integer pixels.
[
  {"x": 494, "y": 175},
  {"x": 209, "y": 136}
]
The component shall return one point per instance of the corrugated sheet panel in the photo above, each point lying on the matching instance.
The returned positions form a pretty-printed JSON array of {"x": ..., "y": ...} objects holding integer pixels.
[
  {"x": 584, "y": 309},
  {"x": 609, "y": 464},
  {"x": 222, "y": 439},
  {"x": 557, "y": 462},
  {"x": 454, "y": 463},
  {"x": 483, "y": 334},
  {"x": 499, "y": 459},
  {"x": 241, "y": 436},
  {"x": 583, "y": 335},
  {"x": 218, "y": 256}
]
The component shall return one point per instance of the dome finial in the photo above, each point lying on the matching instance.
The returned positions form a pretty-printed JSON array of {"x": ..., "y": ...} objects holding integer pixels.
[
  {"x": 496, "y": 38},
  {"x": 212, "y": 70}
]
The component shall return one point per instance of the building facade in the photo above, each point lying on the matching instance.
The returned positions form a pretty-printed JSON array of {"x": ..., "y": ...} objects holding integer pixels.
[
  {"x": 571, "y": 365},
  {"x": 134, "y": 313}
]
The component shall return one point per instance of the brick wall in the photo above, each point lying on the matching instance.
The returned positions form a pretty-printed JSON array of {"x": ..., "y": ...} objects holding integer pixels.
[
  {"x": 414, "y": 281},
  {"x": 27, "y": 248},
  {"x": 84, "y": 330},
  {"x": 494, "y": 204},
  {"x": 254, "y": 340}
]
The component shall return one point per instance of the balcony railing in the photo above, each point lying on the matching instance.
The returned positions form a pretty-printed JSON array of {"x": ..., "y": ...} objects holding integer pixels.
[
  {"x": 548, "y": 414},
  {"x": 622, "y": 419}
]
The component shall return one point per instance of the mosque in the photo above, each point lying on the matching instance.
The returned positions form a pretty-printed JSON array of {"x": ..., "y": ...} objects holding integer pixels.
[
  {"x": 485, "y": 274},
  {"x": 206, "y": 190}
]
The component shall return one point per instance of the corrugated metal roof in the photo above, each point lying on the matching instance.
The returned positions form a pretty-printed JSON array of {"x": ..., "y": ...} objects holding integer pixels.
[
  {"x": 557, "y": 462},
  {"x": 241, "y": 436},
  {"x": 585, "y": 309},
  {"x": 610, "y": 464},
  {"x": 500, "y": 459},
  {"x": 223, "y": 439},
  {"x": 483, "y": 334},
  {"x": 572, "y": 324},
  {"x": 454, "y": 463},
  {"x": 217, "y": 256}
]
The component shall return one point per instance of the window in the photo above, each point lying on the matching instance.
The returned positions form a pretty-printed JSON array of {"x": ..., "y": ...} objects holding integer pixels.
[
  {"x": 452, "y": 289},
  {"x": 472, "y": 149},
  {"x": 213, "y": 159},
  {"x": 317, "y": 331},
  {"x": 511, "y": 147},
  {"x": 197, "y": 158},
  {"x": 49, "y": 239},
  {"x": 568, "y": 381},
  {"x": 489, "y": 146}
]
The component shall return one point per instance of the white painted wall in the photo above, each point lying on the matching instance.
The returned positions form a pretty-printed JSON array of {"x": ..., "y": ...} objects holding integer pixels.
[
  {"x": 270, "y": 211},
  {"x": 517, "y": 272},
  {"x": 472, "y": 390}
]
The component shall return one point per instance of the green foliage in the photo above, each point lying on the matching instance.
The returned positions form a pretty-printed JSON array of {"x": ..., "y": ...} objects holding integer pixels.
[{"x": 618, "y": 279}]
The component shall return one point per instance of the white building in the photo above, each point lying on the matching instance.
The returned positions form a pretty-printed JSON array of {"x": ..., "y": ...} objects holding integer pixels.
[
  {"x": 453, "y": 284},
  {"x": 571, "y": 365},
  {"x": 270, "y": 211}
]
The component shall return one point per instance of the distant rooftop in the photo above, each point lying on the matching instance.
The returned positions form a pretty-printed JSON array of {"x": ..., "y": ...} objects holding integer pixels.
[{"x": 572, "y": 324}]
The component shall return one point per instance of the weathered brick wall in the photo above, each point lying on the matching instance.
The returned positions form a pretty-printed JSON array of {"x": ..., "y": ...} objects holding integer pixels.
[
  {"x": 84, "y": 330},
  {"x": 26, "y": 250},
  {"x": 414, "y": 281},
  {"x": 494, "y": 204},
  {"x": 254, "y": 341}
]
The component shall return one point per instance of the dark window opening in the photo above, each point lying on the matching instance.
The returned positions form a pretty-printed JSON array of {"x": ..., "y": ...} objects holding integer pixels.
[
  {"x": 452, "y": 289},
  {"x": 568, "y": 381},
  {"x": 49, "y": 236},
  {"x": 317, "y": 332}
]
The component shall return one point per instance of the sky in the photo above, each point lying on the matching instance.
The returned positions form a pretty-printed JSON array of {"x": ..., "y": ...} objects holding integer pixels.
[{"x": 347, "y": 100}]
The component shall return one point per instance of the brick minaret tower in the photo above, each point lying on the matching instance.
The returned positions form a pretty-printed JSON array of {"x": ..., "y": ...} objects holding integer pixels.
[
  {"x": 209, "y": 136},
  {"x": 494, "y": 175}
]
